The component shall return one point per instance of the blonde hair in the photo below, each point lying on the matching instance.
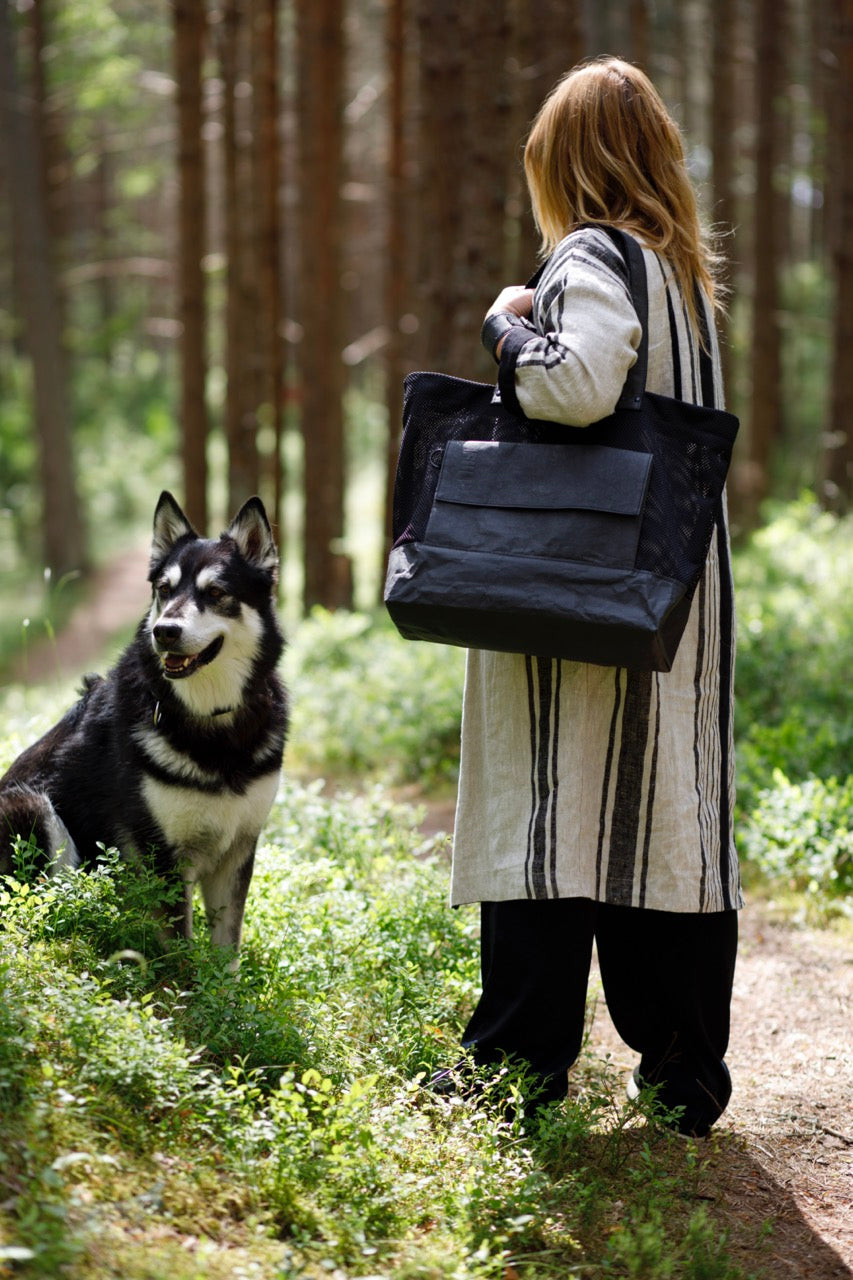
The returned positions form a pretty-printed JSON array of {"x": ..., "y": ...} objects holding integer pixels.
[{"x": 604, "y": 149}]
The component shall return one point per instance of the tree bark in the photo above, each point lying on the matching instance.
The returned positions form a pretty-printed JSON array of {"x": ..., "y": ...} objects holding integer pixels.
[
  {"x": 396, "y": 281},
  {"x": 62, "y": 521},
  {"x": 639, "y": 15},
  {"x": 823, "y": 70},
  {"x": 783, "y": 119},
  {"x": 482, "y": 183},
  {"x": 320, "y": 53},
  {"x": 267, "y": 169},
  {"x": 54, "y": 161},
  {"x": 837, "y": 485},
  {"x": 189, "y": 17},
  {"x": 765, "y": 401},
  {"x": 548, "y": 47},
  {"x": 723, "y": 119},
  {"x": 441, "y": 119},
  {"x": 241, "y": 309}
]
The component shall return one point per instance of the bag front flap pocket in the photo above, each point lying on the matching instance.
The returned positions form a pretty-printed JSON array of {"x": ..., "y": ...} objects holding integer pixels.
[
  {"x": 564, "y": 502},
  {"x": 555, "y": 477}
]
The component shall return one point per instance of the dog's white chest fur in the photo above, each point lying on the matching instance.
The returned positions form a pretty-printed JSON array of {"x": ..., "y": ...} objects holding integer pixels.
[{"x": 204, "y": 828}]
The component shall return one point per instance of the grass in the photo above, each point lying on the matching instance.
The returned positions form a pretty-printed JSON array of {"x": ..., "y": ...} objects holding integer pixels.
[
  {"x": 366, "y": 704},
  {"x": 161, "y": 1117},
  {"x": 794, "y": 702},
  {"x": 164, "y": 1118},
  {"x": 34, "y": 610}
]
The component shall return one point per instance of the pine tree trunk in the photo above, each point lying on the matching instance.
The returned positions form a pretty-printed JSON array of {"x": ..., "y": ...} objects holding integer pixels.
[
  {"x": 680, "y": 40},
  {"x": 823, "y": 58},
  {"x": 482, "y": 184},
  {"x": 241, "y": 398},
  {"x": 189, "y": 17},
  {"x": 547, "y": 48},
  {"x": 53, "y": 155},
  {"x": 783, "y": 118},
  {"x": 62, "y": 522},
  {"x": 723, "y": 120},
  {"x": 320, "y": 51},
  {"x": 639, "y": 14},
  {"x": 765, "y": 403},
  {"x": 441, "y": 118},
  {"x": 837, "y": 487},
  {"x": 267, "y": 171},
  {"x": 396, "y": 281}
]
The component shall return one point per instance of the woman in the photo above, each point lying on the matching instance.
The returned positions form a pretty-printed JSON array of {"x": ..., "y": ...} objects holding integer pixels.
[{"x": 595, "y": 803}]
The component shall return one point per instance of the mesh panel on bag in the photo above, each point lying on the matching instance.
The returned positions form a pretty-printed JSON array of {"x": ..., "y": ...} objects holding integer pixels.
[{"x": 688, "y": 473}]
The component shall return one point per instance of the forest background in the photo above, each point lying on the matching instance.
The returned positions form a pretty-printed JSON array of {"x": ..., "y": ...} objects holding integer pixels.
[{"x": 228, "y": 230}]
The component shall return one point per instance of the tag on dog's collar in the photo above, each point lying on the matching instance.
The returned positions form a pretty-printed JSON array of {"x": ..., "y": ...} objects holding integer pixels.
[{"x": 217, "y": 711}]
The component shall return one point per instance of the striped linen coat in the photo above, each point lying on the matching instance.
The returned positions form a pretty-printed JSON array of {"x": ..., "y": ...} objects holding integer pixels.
[{"x": 600, "y": 782}]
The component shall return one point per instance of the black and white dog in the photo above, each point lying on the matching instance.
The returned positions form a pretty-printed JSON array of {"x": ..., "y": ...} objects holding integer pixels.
[{"x": 175, "y": 755}]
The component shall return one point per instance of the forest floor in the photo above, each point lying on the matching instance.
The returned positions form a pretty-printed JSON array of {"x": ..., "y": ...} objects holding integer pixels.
[
  {"x": 782, "y": 1157},
  {"x": 783, "y": 1162}
]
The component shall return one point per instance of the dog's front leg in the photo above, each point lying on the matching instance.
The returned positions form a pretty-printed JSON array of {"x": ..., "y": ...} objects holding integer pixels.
[
  {"x": 184, "y": 915},
  {"x": 224, "y": 892},
  {"x": 176, "y": 908}
]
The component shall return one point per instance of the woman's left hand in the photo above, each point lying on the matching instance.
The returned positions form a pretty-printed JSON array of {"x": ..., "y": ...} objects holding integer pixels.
[{"x": 516, "y": 298}]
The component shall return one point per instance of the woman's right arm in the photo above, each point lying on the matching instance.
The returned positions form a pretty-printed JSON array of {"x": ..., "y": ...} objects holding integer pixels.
[{"x": 573, "y": 367}]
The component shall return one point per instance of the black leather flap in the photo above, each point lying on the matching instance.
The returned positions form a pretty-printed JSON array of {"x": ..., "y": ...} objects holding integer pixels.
[{"x": 554, "y": 477}]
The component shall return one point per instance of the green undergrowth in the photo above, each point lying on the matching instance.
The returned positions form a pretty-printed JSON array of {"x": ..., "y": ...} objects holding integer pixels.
[
  {"x": 794, "y": 707},
  {"x": 162, "y": 1117},
  {"x": 33, "y": 612},
  {"x": 368, "y": 706},
  {"x": 794, "y": 704},
  {"x": 366, "y": 703}
]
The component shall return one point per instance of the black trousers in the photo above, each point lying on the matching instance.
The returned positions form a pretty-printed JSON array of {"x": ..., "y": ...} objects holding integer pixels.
[{"x": 667, "y": 979}]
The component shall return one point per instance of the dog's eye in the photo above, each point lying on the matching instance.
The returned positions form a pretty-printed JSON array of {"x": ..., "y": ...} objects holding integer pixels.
[
  {"x": 215, "y": 593},
  {"x": 163, "y": 588}
]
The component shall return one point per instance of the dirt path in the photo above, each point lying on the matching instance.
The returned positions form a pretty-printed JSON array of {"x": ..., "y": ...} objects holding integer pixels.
[
  {"x": 782, "y": 1176},
  {"x": 116, "y": 598},
  {"x": 780, "y": 1173}
]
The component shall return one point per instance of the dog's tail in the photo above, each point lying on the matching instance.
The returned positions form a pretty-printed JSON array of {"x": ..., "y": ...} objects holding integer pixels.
[{"x": 33, "y": 837}]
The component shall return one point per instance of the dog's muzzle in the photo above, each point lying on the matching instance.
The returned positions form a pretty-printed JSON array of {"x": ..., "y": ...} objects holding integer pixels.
[{"x": 179, "y": 665}]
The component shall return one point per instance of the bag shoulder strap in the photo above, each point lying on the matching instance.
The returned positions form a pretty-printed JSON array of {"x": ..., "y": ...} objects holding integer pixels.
[
  {"x": 635, "y": 383},
  {"x": 635, "y": 264},
  {"x": 706, "y": 364},
  {"x": 632, "y": 255}
]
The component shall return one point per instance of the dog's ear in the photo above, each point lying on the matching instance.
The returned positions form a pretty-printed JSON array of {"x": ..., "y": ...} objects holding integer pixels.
[
  {"x": 170, "y": 525},
  {"x": 251, "y": 530}
]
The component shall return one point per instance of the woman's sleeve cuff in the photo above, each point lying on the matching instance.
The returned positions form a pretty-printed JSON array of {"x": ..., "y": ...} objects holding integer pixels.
[
  {"x": 495, "y": 326},
  {"x": 516, "y": 338}
]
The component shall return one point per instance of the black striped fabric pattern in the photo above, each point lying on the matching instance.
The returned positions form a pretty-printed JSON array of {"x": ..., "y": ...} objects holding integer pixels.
[{"x": 597, "y": 782}]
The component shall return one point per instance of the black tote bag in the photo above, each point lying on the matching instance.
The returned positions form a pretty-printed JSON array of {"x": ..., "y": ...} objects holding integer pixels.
[{"x": 531, "y": 537}]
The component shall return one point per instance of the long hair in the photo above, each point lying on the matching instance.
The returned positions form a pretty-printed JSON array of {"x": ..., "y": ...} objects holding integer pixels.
[{"x": 603, "y": 148}]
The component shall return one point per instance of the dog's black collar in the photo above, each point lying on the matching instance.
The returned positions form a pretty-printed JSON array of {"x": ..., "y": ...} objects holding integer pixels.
[{"x": 217, "y": 711}]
